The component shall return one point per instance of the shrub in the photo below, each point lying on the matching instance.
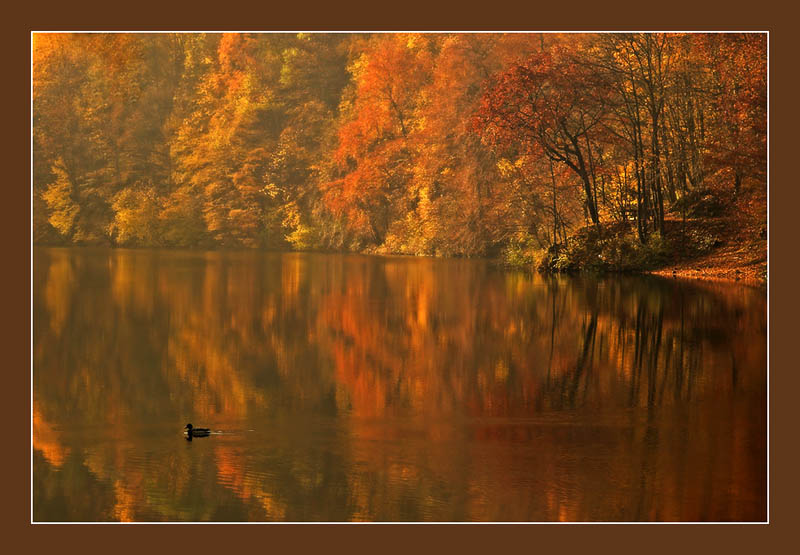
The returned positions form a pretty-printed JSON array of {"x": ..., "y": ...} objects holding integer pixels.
[
  {"x": 610, "y": 250},
  {"x": 519, "y": 252}
]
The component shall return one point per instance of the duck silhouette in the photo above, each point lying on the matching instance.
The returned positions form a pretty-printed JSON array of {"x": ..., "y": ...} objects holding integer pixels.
[{"x": 191, "y": 432}]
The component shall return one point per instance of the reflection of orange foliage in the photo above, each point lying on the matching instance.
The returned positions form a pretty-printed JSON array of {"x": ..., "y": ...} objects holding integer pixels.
[
  {"x": 132, "y": 281},
  {"x": 231, "y": 470},
  {"x": 412, "y": 353},
  {"x": 204, "y": 355},
  {"x": 58, "y": 291},
  {"x": 428, "y": 364},
  {"x": 125, "y": 502},
  {"x": 45, "y": 439},
  {"x": 428, "y": 361}
]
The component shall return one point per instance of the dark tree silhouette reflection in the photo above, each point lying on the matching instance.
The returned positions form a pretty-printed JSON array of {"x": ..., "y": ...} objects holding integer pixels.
[{"x": 366, "y": 388}]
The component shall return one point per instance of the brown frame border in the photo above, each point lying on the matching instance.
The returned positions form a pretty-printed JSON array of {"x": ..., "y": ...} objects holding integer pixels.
[{"x": 408, "y": 15}]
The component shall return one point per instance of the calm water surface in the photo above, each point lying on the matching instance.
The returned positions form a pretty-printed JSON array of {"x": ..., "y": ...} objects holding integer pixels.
[{"x": 389, "y": 389}]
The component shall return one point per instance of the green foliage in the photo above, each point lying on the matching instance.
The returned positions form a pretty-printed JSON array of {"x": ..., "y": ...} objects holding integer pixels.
[
  {"x": 136, "y": 217},
  {"x": 606, "y": 249},
  {"x": 43, "y": 231},
  {"x": 701, "y": 241},
  {"x": 300, "y": 236},
  {"x": 654, "y": 253},
  {"x": 519, "y": 252},
  {"x": 182, "y": 222}
]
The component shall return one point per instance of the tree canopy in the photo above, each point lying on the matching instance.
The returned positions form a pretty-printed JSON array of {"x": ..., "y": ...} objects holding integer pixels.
[{"x": 442, "y": 144}]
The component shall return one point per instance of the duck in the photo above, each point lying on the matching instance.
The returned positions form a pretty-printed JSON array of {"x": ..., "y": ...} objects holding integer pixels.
[{"x": 191, "y": 431}]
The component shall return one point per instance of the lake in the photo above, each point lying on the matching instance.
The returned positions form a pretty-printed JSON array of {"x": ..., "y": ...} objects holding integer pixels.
[{"x": 352, "y": 388}]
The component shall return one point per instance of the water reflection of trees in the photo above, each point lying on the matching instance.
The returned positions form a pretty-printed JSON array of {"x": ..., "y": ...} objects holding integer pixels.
[{"x": 131, "y": 340}]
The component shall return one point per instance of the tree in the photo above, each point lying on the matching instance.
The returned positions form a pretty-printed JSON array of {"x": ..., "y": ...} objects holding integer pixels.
[
  {"x": 373, "y": 161},
  {"x": 445, "y": 144},
  {"x": 546, "y": 105},
  {"x": 738, "y": 91},
  {"x": 60, "y": 202}
]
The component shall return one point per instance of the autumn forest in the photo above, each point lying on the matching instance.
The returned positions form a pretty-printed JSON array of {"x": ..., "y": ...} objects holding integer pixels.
[
  {"x": 494, "y": 145},
  {"x": 218, "y": 221}
]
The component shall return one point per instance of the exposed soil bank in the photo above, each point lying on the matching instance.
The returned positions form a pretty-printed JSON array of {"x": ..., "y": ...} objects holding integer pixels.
[{"x": 738, "y": 254}]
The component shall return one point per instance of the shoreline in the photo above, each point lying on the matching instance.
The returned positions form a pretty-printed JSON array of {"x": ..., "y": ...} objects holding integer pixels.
[
  {"x": 721, "y": 275},
  {"x": 688, "y": 270}
]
